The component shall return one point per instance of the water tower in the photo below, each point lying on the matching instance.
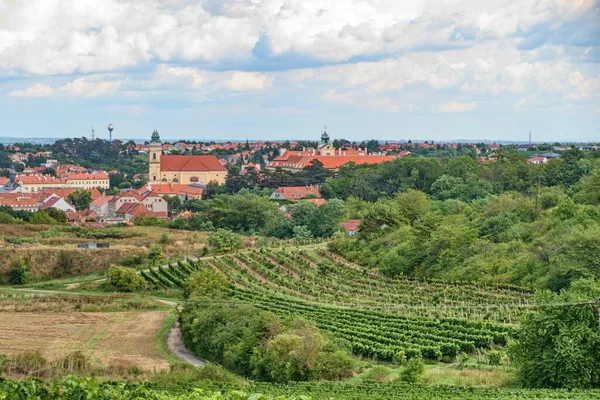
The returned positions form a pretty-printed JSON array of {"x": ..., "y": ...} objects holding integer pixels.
[{"x": 110, "y": 129}]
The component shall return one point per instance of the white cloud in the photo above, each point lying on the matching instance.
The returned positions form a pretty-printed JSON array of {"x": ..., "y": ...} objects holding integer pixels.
[
  {"x": 35, "y": 90},
  {"x": 243, "y": 81},
  {"x": 81, "y": 87},
  {"x": 457, "y": 107},
  {"x": 48, "y": 37}
]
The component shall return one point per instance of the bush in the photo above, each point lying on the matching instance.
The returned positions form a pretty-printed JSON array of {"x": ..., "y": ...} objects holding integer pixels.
[
  {"x": 64, "y": 264},
  {"x": 19, "y": 273},
  {"x": 224, "y": 240},
  {"x": 380, "y": 374},
  {"x": 125, "y": 279},
  {"x": 206, "y": 283},
  {"x": 155, "y": 253},
  {"x": 413, "y": 372},
  {"x": 164, "y": 239},
  {"x": 494, "y": 357}
]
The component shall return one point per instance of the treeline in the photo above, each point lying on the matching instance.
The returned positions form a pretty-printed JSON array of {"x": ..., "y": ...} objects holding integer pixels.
[
  {"x": 547, "y": 239},
  {"x": 460, "y": 178},
  {"x": 257, "y": 215}
]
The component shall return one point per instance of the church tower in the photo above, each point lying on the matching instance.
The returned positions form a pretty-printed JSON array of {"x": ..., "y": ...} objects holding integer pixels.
[
  {"x": 325, "y": 147},
  {"x": 154, "y": 153}
]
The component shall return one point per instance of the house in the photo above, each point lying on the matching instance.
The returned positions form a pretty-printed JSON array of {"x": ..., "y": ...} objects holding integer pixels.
[
  {"x": 54, "y": 201},
  {"x": 82, "y": 216},
  {"x": 350, "y": 226},
  {"x": 295, "y": 193},
  {"x": 100, "y": 205},
  {"x": 120, "y": 205},
  {"x": 89, "y": 181},
  {"x": 19, "y": 201},
  {"x": 524, "y": 147},
  {"x": 537, "y": 160}
]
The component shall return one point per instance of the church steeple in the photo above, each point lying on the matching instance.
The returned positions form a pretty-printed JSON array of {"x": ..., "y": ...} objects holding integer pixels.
[
  {"x": 324, "y": 137},
  {"x": 155, "y": 137}
]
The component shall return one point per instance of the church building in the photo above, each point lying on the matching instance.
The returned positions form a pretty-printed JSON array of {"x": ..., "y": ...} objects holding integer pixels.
[{"x": 182, "y": 169}]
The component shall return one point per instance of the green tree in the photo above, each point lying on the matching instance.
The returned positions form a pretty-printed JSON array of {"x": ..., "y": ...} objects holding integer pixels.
[
  {"x": 80, "y": 199},
  {"x": 559, "y": 344},
  {"x": 19, "y": 273},
  {"x": 42, "y": 218},
  {"x": 58, "y": 215},
  {"x": 125, "y": 279},
  {"x": 206, "y": 284},
  {"x": 224, "y": 240}
]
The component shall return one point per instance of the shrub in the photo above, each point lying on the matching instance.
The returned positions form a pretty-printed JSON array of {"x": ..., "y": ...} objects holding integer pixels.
[
  {"x": 494, "y": 357},
  {"x": 413, "y": 372},
  {"x": 225, "y": 240},
  {"x": 380, "y": 374},
  {"x": 155, "y": 253},
  {"x": 206, "y": 283},
  {"x": 64, "y": 264},
  {"x": 400, "y": 357},
  {"x": 125, "y": 279},
  {"x": 74, "y": 362},
  {"x": 19, "y": 273},
  {"x": 132, "y": 261},
  {"x": 164, "y": 239}
]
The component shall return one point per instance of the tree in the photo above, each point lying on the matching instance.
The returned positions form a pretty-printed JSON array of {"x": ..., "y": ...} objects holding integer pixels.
[
  {"x": 224, "y": 240},
  {"x": 559, "y": 345},
  {"x": 42, "y": 218},
  {"x": 58, "y": 215},
  {"x": 125, "y": 279},
  {"x": 49, "y": 171},
  {"x": 80, "y": 199},
  {"x": 205, "y": 284},
  {"x": 589, "y": 189},
  {"x": 19, "y": 273}
]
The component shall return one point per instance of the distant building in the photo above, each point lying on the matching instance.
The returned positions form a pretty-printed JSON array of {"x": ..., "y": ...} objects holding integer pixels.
[
  {"x": 184, "y": 169},
  {"x": 537, "y": 160},
  {"x": 524, "y": 147},
  {"x": 295, "y": 193},
  {"x": 327, "y": 155},
  {"x": 350, "y": 226}
]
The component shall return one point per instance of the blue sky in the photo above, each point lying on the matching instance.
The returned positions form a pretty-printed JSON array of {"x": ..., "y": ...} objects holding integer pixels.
[{"x": 280, "y": 69}]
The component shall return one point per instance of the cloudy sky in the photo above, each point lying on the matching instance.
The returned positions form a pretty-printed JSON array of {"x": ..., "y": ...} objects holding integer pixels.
[{"x": 237, "y": 69}]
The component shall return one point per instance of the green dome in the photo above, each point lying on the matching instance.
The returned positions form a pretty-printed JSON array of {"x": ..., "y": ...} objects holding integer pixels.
[{"x": 155, "y": 136}]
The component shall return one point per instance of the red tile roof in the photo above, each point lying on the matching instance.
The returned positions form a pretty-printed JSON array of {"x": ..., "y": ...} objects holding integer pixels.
[
  {"x": 4, "y": 181},
  {"x": 350, "y": 225},
  {"x": 89, "y": 177},
  {"x": 329, "y": 162},
  {"x": 294, "y": 193},
  {"x": 191, "y": 163},
  {"x": 19, "y": 201},
  {"x": 64, "y": 193}
]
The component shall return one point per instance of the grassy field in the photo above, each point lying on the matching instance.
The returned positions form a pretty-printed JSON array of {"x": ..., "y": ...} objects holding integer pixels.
[{"x": 51, "y": 251}]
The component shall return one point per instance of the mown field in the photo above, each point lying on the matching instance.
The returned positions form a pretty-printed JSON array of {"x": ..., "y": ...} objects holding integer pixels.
[{"x": 108, "y": 333}]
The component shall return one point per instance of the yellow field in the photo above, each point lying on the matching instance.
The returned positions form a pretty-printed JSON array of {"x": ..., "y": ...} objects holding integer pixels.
[{"x": 107, "y": 338}]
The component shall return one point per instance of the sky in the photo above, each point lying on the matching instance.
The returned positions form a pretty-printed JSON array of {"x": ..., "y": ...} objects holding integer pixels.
[{"x": 282, "y": 69}]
